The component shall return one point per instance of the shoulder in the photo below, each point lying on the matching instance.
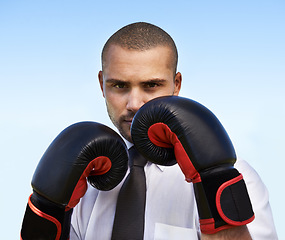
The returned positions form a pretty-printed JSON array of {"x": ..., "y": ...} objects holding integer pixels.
[
  {"x": 255, "y": 186},
  {"x": 249, "y": 173}
]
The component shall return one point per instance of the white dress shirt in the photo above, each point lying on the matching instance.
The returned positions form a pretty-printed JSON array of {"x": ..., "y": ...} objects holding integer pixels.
[{"x": 171, "y": 211}]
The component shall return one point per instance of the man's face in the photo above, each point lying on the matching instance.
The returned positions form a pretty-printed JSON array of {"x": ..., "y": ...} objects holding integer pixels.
[{"x": 131, "y": 78}]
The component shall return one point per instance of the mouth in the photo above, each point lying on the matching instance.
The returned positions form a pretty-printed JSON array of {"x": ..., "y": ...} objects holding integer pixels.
[{"x": 128, "y": 121}]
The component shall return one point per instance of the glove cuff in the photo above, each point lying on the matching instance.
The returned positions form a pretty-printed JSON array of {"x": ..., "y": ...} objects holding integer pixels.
[
  {"x": 44, "y": 219},
  {"x": 223, "y": 201}
]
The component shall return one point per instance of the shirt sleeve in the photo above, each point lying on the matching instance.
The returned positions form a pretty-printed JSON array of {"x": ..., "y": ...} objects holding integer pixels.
[
  {"x": 81, "y": 214},
  {"x": 262, "y": 227},
  {"x": 73, "y": 234}
]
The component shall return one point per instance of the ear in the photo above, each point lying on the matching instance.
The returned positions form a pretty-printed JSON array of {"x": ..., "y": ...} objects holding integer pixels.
[
  {"x": 100, "y": 77},
  {"x": 177, "y": 83}
]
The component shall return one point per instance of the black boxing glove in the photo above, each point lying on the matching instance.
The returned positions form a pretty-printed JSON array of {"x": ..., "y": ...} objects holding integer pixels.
[
  {"x": 83, "y": 150},
  {"x": 174, "y": 127}
]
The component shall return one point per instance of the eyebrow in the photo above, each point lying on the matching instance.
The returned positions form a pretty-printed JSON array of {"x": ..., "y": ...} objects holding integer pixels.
[
  {"x": 154, "y": 80},
  {"x": 115, "y": 81}
]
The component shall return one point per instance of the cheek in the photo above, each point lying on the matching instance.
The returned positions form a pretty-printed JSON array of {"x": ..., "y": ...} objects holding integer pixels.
[
  {"x": 114, "y": 103},
  {"x": 167, "y": 90},
  {"x": 161, "y": 91}
]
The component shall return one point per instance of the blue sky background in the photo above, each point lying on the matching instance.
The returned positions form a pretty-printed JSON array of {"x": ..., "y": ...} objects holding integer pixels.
[{"x": 231, "y": 55}]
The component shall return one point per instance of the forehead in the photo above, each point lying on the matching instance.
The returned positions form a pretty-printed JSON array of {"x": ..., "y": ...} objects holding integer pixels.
[{"x": 119, "y": 58}]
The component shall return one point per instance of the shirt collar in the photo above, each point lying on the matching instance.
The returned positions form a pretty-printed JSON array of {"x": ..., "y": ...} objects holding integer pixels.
[
  {"x": 160, "y": 167},
  {"x": 129, "y": 144}
]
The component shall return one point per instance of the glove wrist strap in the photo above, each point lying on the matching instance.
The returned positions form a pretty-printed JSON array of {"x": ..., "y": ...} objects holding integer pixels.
[
  {"x": 44, "y": 219},
  {"x": 222, "y": 200}
]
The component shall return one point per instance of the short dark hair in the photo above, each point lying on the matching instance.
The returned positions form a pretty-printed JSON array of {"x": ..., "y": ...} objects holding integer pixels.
[{"x": 141, "y": 36}]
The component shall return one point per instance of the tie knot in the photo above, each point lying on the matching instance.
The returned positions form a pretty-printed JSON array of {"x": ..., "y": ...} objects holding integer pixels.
[{"x": 136, "y": 159}]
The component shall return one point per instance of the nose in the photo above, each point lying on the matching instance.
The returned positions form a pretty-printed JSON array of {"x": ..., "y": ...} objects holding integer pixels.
[{"x": 135, "y": 100}]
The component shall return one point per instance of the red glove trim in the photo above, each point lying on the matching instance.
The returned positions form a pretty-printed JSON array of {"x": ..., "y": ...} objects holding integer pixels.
[
  {"x": 207, "y": 226},
  {"x": 98, "y": 166},
  {"x": 46, "y": 216},
  {"x": 161, "y": 135}
]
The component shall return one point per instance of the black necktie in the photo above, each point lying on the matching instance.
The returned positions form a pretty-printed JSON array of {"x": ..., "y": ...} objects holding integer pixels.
[{"x": 129, "y": 216}]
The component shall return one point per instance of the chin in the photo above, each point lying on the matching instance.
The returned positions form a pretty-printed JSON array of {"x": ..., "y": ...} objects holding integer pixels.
[{"x": 126, "y": 134}]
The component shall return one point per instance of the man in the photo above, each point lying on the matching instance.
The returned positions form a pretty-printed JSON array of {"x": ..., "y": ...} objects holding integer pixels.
[{"x": 138, "y": 64}]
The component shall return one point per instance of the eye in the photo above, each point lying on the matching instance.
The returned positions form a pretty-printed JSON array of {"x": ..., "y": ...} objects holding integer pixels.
[
  {"x": 151, "y": 84},
  {"x": 119, "y": 85}
]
